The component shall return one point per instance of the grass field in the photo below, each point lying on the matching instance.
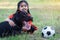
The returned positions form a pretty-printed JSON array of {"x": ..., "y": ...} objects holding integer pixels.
[{"x": 47, "y": 15}]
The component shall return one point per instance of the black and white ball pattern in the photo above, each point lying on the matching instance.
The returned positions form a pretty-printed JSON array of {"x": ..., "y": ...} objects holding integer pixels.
[{"x": 48, "y": 31}]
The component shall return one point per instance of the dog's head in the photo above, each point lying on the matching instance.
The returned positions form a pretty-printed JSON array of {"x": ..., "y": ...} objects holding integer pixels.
[{"x": 20, "y": 17}]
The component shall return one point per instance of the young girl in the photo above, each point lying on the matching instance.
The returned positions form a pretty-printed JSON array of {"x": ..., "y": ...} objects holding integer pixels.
[{"x": 29, "y": 27}]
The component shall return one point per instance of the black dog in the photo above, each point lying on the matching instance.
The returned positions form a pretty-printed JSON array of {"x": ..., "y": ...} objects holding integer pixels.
[{"x": 6, "y": 29}]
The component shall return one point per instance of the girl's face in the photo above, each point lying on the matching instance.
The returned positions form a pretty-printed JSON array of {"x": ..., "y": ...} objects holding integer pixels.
[{"x": 23, "y": 6}]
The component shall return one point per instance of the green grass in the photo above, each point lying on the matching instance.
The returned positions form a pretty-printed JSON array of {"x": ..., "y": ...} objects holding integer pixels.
[{"x": 41, "y": 18}]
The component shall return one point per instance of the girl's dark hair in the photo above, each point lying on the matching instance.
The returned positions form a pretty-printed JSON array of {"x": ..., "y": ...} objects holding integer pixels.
[{"x": 18, "y": 5}]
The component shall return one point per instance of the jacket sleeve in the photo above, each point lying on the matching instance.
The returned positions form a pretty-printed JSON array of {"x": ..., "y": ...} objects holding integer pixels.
[{"x": 11, "y": 16}]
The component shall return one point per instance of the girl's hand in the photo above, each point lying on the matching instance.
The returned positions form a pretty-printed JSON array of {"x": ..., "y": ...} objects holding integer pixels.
[
  {"x": 10, "y": 22},
  {"x": 27, "y": 26}
]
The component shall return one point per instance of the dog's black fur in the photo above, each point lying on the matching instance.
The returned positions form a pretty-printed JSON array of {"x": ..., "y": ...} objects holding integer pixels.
[{"x": 6, "y": 29}]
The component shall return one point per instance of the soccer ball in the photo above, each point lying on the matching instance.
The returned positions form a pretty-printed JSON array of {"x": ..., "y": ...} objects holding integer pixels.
[{"x": 48, "y": 31}]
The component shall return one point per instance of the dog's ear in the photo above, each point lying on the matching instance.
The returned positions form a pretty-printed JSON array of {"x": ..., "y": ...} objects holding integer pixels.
[{"x": 19, "y": 17}]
